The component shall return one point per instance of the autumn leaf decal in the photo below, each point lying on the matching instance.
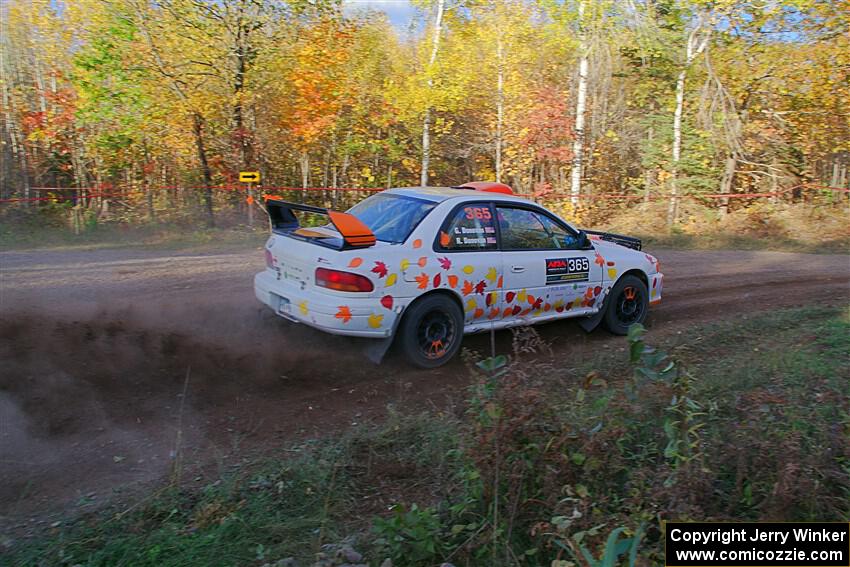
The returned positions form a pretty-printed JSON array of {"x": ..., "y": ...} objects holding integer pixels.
[
  {"x": 492, "y": 274},
  {"x": 445, "y": 263},
  {"x": 387, "y": 301},
  {"x": 344, "y": 313},
  {"x": 452, "y": 281},
  {"x": 375, "y": 320},
  {"x": 599, "y": 261},
  {"x": 467, "y": 287},
  {"x": 355, "y": 262},
  {"x": 380, "y": 269},
  {"x": 437, "y": 280},
  {"x": 422, "y": 280},
  {"x": 417, "y": 243},
  {"x": 480, "y": 287},
  {"x": 444, "y": 239}
]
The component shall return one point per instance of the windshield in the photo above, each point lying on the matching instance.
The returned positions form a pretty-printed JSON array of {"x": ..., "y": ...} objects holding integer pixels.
[{"x": 391, "y": 217}]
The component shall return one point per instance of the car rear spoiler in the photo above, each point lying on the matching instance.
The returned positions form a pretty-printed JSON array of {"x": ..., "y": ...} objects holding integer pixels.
[
  {"x": 627, "y": 241},
  {"x": 354, "y": 233}
]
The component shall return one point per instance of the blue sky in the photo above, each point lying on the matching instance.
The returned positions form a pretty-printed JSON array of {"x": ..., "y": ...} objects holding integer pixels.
[{"x": 399, "y": 12}]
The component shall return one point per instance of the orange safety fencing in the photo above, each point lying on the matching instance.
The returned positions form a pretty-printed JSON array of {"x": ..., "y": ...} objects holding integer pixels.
[
  {"x": 108, "y": 192},
  {"x": 656, "y": 196}
]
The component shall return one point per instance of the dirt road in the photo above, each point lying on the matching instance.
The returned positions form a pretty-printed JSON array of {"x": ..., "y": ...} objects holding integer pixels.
[{"x": 98, "y": 347}]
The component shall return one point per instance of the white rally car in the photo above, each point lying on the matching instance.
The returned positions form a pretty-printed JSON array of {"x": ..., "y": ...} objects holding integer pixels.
[{"x": 430, "y": 264}]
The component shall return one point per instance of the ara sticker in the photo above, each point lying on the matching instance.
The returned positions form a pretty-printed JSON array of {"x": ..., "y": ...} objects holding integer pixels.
[{"x": 560, "y": 270}]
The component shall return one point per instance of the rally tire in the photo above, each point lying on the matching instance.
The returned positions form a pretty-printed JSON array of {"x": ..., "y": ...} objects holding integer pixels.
[
  {"x": 431, "y": 331},
  {"x": 628, "y": 304}
]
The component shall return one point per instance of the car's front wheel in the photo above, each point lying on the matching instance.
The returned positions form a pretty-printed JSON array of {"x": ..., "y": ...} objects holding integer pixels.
[
  {"x": 628, "y": 304},
  {"x": 431, "y": 331}
]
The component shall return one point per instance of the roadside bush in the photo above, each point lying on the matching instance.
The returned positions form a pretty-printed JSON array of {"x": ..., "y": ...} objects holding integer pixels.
[{"x": 555, "y": 464}]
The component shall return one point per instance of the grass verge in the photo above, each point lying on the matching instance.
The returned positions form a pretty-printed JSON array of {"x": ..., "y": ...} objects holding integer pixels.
[{"x": 745, "y": 421}]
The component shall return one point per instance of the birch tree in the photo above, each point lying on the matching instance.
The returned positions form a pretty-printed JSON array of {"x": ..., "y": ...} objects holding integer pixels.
[
  {"x": 697, "y": 40},
  {"x": 581, "y": 106},
  {"x": 426, "y": 122}
]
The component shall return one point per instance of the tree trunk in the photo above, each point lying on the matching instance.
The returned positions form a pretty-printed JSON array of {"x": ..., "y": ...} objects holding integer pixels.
[
  {"x": 581, "y": 107},
  {"x": 673, "y": 208},
  {"x": 304, "y": 164},
  {"x": 426, "y": 123},
  {"x": 206, "y": 174},
  {"x": 648, "y": 178},
  {"x": 146, "y": 183},
  {"x": 500, "y": 106},
  {"x": 697, "y": 42},
  {"x": 774, "y": 181},
  {"x": 726, "y": 182},
  {"x": 836, "y": 168}
]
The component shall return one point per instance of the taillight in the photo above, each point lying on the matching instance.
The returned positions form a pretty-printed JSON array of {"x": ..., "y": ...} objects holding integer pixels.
[
  {"x": 269, "y": 258},
  {"x": 342, "y": 281}
]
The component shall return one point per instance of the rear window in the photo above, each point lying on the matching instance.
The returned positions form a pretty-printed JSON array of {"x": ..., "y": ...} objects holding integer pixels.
[
  {"x": 470, "y": 227},
  {"x": 391, "y": 217}
]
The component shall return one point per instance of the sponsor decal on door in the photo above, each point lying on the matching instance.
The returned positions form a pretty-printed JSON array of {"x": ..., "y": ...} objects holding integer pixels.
[{"x": 560, "y": 270}]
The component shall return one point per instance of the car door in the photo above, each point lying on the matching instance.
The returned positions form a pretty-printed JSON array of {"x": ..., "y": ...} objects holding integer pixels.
[
  {"x": 467, "y": 251},
  {"x": 546, "y": 275}
]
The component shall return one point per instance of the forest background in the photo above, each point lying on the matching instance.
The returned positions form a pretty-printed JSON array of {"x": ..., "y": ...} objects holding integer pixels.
[{"x": 650, "y": 115}]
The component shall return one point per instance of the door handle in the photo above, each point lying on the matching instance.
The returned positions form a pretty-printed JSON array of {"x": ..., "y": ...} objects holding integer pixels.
[{"x": 517, "y": 269}]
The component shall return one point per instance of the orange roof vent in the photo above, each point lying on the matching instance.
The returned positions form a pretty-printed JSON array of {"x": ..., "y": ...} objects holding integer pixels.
[{"x": 488, "y": 186}]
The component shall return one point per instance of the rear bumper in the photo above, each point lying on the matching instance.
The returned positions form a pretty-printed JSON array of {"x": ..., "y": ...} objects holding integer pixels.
[
  {"x": 656, "y": 283},
  {"x": 339, "y": 315}
]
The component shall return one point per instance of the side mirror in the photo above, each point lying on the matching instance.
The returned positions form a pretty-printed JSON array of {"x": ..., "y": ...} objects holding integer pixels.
[{"x": 583, "y": 241}]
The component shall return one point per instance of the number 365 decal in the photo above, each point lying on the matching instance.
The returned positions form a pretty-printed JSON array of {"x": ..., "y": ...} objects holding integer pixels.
[
  {"x": 559, "y": 270},
  {"x": 481, "y": 213}
]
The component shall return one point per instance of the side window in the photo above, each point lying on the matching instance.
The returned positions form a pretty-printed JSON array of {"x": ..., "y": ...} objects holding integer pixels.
[
  {"x": 522, "y": 229},
  {"x": 565, "y": 239},
  {"x": 471, "y": 227}
]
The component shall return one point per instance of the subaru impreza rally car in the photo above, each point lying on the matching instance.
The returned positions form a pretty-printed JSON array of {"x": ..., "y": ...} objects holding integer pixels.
[{"x": 426, "y": 265}]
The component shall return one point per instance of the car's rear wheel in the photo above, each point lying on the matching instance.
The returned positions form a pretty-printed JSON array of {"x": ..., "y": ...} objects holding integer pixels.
[
  {"x": 431, "y": 331},
  {"x": 628, "y": 304}
]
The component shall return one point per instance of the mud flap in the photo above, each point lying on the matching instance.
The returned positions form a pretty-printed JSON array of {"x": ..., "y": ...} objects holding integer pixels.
[
  {"x": 377, "y": 349},
  {"x": 590, "y": 323}
]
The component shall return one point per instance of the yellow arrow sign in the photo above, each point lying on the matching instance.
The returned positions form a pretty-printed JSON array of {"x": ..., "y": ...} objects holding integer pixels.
[{"x": 249, "y": 176}]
